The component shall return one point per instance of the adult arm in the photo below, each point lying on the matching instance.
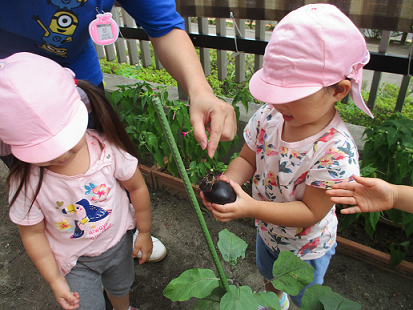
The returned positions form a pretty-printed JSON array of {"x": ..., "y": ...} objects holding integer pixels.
[
  {"x": 37, "y": 247},
  {"x": 177, "y": 54}
]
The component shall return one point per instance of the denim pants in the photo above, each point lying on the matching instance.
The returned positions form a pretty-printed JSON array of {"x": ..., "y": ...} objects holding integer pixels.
[{"x": 266, "y": 257}]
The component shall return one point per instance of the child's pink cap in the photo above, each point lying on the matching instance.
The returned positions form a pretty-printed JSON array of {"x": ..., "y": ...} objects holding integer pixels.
[
  {"x": 312, "y": 47},
  {"x": 42, "y": 116}
]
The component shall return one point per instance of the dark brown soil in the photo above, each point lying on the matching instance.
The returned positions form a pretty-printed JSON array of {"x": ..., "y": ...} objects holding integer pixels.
[{"x": 385, "y": 234}]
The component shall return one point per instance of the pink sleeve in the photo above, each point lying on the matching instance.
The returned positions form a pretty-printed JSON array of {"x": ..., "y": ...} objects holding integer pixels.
[
  {"x": 125, "y": 164},
  {"x": 20, "y": 212}
]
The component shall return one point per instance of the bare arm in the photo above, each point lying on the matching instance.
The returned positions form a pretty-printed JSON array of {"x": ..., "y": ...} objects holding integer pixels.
[
  {"x": 37, "y": 247},
  {"x": 313, "y": 207},
  {"x": 371, "y": 195},
  {"x": 177, "y": 54},
  {"x": 140, "y": 199}
]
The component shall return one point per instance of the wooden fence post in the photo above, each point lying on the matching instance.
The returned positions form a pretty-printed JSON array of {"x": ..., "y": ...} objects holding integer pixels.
[
  {"x": 204, "y": 52},
  {"x": 384, "y": 43},
  {"x": 240, "y": 59},
  {"x": 221, "y": 29},
  {"x": 120, "y": 42},
  {"x": 132, "y": 44}
]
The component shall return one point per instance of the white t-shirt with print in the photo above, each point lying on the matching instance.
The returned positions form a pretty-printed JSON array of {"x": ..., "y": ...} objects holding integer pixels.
[
  {"x": 83, "y": 214},
  {"x": 283, "y": 169}
]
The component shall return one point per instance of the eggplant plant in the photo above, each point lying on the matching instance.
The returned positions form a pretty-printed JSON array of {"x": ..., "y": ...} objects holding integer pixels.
[{"x": 291, "y": 274}]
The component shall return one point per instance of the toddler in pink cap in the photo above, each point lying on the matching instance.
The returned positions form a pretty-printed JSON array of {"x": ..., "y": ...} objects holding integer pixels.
[
  {"x": 67, "y": 183},
  {"x": 296, "y": 145}
]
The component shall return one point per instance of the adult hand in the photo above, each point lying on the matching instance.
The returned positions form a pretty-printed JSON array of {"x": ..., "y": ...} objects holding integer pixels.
[
  {"x": 182, "y": 62},
  {"x": 219, "y": 117}
]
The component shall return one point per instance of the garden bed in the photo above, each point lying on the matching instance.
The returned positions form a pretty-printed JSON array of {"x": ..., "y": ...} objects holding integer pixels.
[{"x": 353, "y": 240}]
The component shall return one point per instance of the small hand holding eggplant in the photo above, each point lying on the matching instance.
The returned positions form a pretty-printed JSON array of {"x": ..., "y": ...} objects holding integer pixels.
[{"x": 216, "y": 191}]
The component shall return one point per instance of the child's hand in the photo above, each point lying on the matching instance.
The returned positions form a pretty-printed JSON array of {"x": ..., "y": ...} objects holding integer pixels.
[
  {"x": 231, "y": 211},
  {"x": 206, "y": 203},
  {"x": 144, "y": 244},
  {"x": 369, "y": 195},
  {"x": 63, "y": 295}
]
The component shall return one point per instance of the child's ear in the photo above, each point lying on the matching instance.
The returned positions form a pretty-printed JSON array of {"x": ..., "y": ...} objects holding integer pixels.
[{"x": 341, "y": 90}]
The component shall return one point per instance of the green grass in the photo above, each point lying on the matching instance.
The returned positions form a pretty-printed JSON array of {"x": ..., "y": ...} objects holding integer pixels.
[{"x": 384, "y": 106}]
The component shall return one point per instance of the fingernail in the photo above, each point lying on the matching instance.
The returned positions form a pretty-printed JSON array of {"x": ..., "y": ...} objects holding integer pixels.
[{"x": 203, "y": 145}]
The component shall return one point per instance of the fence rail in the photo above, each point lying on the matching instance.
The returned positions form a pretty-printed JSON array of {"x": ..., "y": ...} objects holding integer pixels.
[{"x": 125, "y": 49}]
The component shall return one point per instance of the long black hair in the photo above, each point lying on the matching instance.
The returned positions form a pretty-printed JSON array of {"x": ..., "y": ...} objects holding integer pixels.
[{"x": 105, "y": 119}]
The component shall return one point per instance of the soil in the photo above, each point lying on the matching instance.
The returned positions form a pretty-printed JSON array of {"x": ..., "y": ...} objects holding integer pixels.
[
  {"x": 176, "y": 225},
  {"x": 385, "y": 234}
]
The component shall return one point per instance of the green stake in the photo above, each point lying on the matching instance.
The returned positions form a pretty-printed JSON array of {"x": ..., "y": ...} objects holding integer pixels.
[{"x": 189, "y": 190}]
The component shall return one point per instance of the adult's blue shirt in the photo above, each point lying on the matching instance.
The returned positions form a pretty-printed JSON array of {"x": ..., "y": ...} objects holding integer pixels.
[{"x": 59, "y": 29}]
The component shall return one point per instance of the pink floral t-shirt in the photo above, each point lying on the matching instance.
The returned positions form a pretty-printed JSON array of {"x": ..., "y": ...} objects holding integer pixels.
[
  {"x": 285, "y": 168},
  {"x": 83, "y": 214}
]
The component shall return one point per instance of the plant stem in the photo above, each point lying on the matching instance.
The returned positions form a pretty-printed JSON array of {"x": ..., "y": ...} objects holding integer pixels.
[{"x": 189, "y": 190}]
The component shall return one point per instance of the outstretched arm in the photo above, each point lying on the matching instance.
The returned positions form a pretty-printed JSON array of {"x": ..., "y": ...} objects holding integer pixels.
[
  {"x": 37, "y": 247},
  {"x": 177, "y": 54},
  {"x": 371, "y": 195}
]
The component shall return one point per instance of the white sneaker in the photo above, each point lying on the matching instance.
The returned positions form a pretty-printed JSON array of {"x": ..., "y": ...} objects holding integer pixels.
[
  {"x": 158, "y": 251},
  {"x": 284, "y": 303}
]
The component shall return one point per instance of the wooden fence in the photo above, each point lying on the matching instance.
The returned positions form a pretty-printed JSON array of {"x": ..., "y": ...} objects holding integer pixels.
[{"x": 132, "y": 38}]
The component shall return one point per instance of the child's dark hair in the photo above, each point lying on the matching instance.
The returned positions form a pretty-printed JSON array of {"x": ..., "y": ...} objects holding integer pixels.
[{"x": 105, "y": 120}]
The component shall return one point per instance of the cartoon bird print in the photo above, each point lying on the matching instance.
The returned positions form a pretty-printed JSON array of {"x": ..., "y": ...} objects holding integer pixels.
[
  {"x": 302, "y": 231},
  {"x": 307, "y": 248},
  {"x": 328, "y": 135},
  {"x": 86, "y": 213},
  {"x": 347, "y": 151},
  {"x": 325, "y": 138},
  {"x": 326, "y": 184},
  {"x": 299, "y": 181},
  {"x": 283, "y": 168},
  {"x": 260, "y": 138},
  {"x": 271, "y": 180}
]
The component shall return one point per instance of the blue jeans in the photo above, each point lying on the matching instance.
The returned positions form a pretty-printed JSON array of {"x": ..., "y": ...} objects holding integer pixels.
[{"x": 266, "y": 257}]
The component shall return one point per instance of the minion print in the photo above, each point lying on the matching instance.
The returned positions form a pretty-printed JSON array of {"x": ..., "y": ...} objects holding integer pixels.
[{"x": 61, "y": 27}]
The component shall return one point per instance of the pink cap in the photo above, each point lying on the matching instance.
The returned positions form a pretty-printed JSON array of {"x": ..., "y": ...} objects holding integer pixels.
[
  {"x": 42, "y": 116},
  {"x": 312, "y": 47}
]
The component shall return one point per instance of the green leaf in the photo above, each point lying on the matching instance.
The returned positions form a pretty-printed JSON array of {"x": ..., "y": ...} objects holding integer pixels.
[
  {"x": 231, "y": 246},
  {"x": 398, "y": 252},
  {"x": 211, "y": 302},
  {"x": 291, "y": 274},
  {"x": 371, "y": 219},
  {"x": 191, "y": 283},
  {"x": 395, "y": 216},
  {"x": 240, "y": 298},
  {"x": 334, "y": 301},
  {"x": 172, "y": 168},
  {"x": 312, "y": 295},
  {"x": 204, "y": 304},
  {"x": 268, "y": 299},
  {"x": 348, "y": 219},
  {"x": 407, "y": 223},
  {"x": 391, "y": 136},
  {"x": 151, "y": 110},
  {"x": 152, "y": 140}
]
